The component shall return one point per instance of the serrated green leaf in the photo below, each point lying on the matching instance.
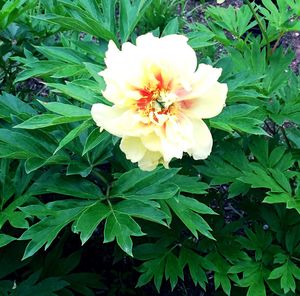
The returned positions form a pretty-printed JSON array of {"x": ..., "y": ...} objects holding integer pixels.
[
  {"x": 90, "y": 219},
  {"x": 121, "y": 227}
]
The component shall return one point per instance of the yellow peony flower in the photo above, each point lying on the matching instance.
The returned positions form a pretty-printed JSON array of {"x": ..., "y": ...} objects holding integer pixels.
[{"x": 159, "y": 99}]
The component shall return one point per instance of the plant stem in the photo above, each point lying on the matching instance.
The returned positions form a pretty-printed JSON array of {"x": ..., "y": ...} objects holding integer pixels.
[
  {"x": 261, "y": 27},
  {"x": 277, "y": 42},
  {"x": 100, "y": 177}
]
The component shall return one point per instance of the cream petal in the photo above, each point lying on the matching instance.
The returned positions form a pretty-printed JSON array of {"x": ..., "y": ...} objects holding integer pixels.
[
  {"x": 203, "y": 79},
  {"x": 152, "y": 142},
  {"x": 208, "y": 104},
  {"x": 165, "y": 52},
  {"x": 150, "y": 161},
  {"x": 176, "y": 138},
  {"x": 133, "y": 148},
  {"x": 119, "y": 121},
  {"x": 124, "y": 70},
  {"x": 202, "y": 141}
]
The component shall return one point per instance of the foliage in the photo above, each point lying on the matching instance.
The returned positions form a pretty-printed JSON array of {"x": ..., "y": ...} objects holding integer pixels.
[{"x": 229, "y": 223}]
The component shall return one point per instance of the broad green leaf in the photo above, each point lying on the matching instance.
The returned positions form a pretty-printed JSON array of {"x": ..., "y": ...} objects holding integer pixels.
[
  {"x": 66, "y": 109},
  {"x": 121, "y": 227},
  {"x": 96, "y": 138},
  {"x": 171, "y": 28},
  {"x": 187, "y": 209},
  {"x": 141, "y": 210},
  {"x": 77, "y": 92},
  {"x": 130, "y": 14},
  {"x": 5, "y": 239},
  {"x": 90, "y": 219},
  {"x": 74, "y": 133},
  {"x": 66, "y": 185},
  {"x": 189, "y": 184},
  {"x": 46, "y": 120},
  {"x": 45, "y": 231},
  {"x": 136, "y": 180}
]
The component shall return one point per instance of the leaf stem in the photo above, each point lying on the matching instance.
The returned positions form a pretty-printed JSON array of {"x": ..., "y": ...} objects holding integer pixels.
[
  {"x": 261, "y": 27},
  {"x": 277, "y": 42}
]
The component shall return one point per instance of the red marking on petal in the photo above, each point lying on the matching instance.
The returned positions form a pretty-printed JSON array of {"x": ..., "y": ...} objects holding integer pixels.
[
  {"x": 186, "y": 104},
  {"x": 181, "y": 92},
  {"x": 160, "y": 80},
  {"x": 143, "y": 102}
]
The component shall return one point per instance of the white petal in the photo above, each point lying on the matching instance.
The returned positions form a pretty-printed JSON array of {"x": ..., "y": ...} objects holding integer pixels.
[
  {"x": 209, "y": 104},
  {"x": 133, "y": 148},
  {"x": 202, "y": 141},
  {"x": 165, "y": 52},
  {"x": 150, "y": 161},
  {"x": 204, "y": 78},
  {"x": 152, "y": 142},
  {"x": 119, "y": 121},
  {"x": 176, "y": 137}
]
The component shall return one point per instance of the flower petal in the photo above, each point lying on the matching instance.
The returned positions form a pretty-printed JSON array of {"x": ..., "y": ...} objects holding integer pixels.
[
  {"x": 164, "y": 52},
  {"x": 202, "y": 141},
  {"x": 133, "y": 148},
  {"x": 150, "y": 161},
  {"x": 119, "y": 121},
  {"x": 209, "y": 104}
]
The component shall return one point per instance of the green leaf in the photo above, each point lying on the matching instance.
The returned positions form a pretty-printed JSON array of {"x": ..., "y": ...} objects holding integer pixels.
[
  {"x": 287, "y": 274},
  {"x": 171, "y": 28},
  {"x": 155, "y": 191},
  {"x": 236, "y": 117},
  {"x": 15, "y": 105},
  {"x": 189, "y": 184},
  {"x": 74, "y": 133},
  {"x": 94, "y": 71},
  {"x": 77, "y": 92},
  {"x": 67, "y": 110},
  {"x": 5, "y": 239},
  {"x": 121, "y": 227},
  {"x": 90, "y": 219},
  {"x": 81, "y": 167},
  {"x": 63, "y": 54},
  {"x": 34, "y": 163},
  {"x": 66, "y": 185},
  {"x": 136, "y": 179},
  {"x": 235, "y": 20},
  {"x": 45, "y": 231},
  {"x": 221, "y": 277},
  {"x": 196, "y": 264},
  {"x": 46, "y": 120},
  {"x": 152, "y": 269},
  {"x": 130, "y": 14},
  {"x": 187, "y": 210},
  {"x": 95, "y": 139},
  {"x": 173, "y": 270},
  {"x": 80, "y": 21},
  {"x": 141, "y": 210},
  {"x": 21, "y": 142}
]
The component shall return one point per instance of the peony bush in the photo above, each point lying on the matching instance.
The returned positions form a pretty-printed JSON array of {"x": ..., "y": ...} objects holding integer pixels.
[{"x": 149, "y": 147}]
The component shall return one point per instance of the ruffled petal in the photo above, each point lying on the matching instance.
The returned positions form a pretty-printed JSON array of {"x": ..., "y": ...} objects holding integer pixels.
[
  {"x": 166, "y": 51},
  {"x": 209, "y": 103},
  {"x": 119, "y": 121},
  {"x": 150, "y": 161},
  {"x": 202, "y": 141},
  {"x": 133, "y": 148}
]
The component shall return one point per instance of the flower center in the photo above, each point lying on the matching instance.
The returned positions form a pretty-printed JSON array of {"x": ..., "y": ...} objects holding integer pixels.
[{"x": 156, "y": 102}]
